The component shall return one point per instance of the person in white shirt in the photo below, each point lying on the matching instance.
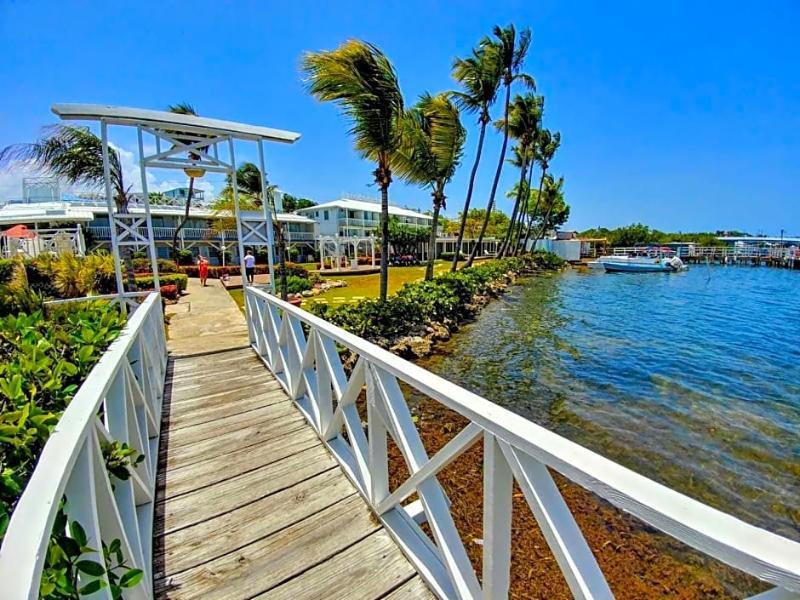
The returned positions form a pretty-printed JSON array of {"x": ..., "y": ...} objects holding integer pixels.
[{"x": 250, "y": 266}]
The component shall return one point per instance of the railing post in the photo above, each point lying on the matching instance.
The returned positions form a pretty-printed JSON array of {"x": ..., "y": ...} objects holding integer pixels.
[{"x": 497, "y": 490}]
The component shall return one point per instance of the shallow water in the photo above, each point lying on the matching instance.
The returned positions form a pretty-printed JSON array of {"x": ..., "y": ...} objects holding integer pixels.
[{"x": 692, "y": 379}]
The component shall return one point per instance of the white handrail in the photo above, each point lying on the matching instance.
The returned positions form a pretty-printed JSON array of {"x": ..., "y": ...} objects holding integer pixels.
[
  {"x": 128, "y": 383},
  {"x": 309, "y": 368}
]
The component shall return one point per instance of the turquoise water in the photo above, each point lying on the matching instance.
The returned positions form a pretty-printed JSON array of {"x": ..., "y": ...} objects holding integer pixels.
[{"x": 692, "y": 378}]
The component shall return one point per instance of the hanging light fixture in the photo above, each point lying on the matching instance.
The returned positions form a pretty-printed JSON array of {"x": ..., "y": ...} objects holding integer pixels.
[{"x": 194, "y": 172}]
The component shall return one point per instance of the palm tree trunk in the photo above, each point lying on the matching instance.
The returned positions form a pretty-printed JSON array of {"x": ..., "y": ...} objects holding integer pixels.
[
  {"x": 384, "y": 178},
  {"x": 533, "y": 212},
  {"x": 282, "y": 260},
  {"x": 474, "y": 171},
  {"x": 524, "y": 215},
  {"x": 490, "y": 205},
  {"x": 438, "y": 200},
  {"x": 513, "y": 223},
  {"x": 183, "y": 220}
]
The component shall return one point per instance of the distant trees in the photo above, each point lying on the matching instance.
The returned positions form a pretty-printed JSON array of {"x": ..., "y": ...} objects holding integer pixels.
[
  {"x": 293, "y": 203},
  {"x": 406, "y": 238},
  {"x": 638, "y": 234}
]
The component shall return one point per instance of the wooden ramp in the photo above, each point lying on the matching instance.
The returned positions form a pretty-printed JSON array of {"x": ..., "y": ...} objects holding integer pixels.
[{"x": 250, "y": 503}]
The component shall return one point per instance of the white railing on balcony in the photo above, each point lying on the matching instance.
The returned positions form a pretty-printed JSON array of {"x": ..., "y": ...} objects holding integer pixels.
[
  {"x": 309, "y": 368},
  {"x": 120, "y": 400}
]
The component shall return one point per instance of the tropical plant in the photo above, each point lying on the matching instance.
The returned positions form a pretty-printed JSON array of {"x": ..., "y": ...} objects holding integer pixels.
[
  {"x": 554, "y": 209},
  {"x": 547, "y": 145},
  {"x": 251, "y": 196},
  {"x": 430, "y": 152},
  {"x": 479, "y": 75},
  {"x": 524, "y": 119},
  {"x": 293, "y": 203},
  {"x": 511, "y": 52},
  {"x": 75, "y": 154},
  {"x": 362, "y": 80},
  {"x": 405, "y": 238}
]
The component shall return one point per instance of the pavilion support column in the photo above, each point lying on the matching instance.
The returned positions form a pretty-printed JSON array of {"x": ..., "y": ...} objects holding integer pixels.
[
  {"x": 267, "y": 216},
  {"x": 111, "y": 212},
  {"x": 151, "y": 244},
  {"x": 235, "y": 186}
]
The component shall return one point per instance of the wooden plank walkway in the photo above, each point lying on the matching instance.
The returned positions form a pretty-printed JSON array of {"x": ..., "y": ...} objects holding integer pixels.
[{"x": 250, "y": 503}]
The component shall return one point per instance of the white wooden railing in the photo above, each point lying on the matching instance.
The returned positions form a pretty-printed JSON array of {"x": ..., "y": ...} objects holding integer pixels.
[
  {"x": 127, "y": 386},
  {"x": 309, "y": 368}
]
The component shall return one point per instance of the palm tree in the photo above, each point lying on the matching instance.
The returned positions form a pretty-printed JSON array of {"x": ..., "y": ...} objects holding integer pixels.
[
  {"x": 555, "y": 210},
  {"x": 479, "y": 76},
  {"x": 533, "y": 158},
  {"x": 430, "y": 151},
  {"x": 362, "y": 80},
  {"x": 511, "y": 54},
  {"x": 547, "y": 145},
  {"x": 184, "y": 108},
  {"x": 75, "y": 154},
  {"x": 523, "y": 123},
  {"x": 248, "y": 182}
]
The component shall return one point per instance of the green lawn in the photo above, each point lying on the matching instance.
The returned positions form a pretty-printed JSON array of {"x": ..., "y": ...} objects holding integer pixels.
[{"x": 363, "y": 286}]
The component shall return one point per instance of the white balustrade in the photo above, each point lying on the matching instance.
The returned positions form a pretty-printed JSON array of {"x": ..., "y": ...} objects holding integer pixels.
[
  {"x": 120, "y": 400},
  {"x": 302, "y": 351}
]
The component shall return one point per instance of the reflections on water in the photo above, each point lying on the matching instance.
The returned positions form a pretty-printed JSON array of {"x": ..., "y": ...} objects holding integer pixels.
[{"x": 692, "y": 379}]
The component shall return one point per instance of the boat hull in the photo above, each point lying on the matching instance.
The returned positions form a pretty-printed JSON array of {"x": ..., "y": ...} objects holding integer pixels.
[{"x": 620, "y": 267}]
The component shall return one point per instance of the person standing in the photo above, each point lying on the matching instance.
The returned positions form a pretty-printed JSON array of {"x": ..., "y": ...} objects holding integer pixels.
[
  {"x": 250, "y": 266},
  {"x": 202, "y": 267}
]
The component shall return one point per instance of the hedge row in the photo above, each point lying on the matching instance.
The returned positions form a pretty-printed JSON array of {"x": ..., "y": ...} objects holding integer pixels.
[
  {"x": 177, "y": 279},
  {"x": 446, "y": 299}
]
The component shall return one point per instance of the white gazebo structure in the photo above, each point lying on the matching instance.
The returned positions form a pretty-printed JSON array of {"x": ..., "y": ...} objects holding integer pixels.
[
  {"x": 193, "y": 144},
  {"x": 336, "y": 247}
]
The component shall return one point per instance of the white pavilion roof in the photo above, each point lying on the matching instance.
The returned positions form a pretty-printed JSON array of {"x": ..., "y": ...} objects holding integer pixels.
[
  {"x": 121, "y": 115},
  {"x": 350, "y": 204}
]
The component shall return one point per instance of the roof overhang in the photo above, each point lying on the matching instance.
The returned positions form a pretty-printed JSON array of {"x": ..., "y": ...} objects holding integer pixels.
[{"x": 176, "y": 123}]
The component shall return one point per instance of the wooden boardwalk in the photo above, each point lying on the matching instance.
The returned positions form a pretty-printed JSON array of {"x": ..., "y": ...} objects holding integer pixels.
[{"x": 250, "y": 503}]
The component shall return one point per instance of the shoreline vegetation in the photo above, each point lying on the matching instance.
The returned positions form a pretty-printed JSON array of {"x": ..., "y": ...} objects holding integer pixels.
[{"x": 637, "y": 560}]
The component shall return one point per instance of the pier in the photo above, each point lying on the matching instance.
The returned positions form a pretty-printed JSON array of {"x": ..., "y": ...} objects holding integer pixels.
[{"x": 728, "y": 255}]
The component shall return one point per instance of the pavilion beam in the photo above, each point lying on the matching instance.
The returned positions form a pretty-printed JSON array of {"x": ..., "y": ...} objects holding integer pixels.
[
  {"x": 267, "y": 216},
  {"x": 148, "y": 221},
  {"x": 111, "y": 211},
  {"x": 240, "y": 241}
]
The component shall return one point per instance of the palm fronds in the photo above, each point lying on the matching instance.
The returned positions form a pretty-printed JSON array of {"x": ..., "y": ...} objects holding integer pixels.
[{"x": 362, "y": 81}]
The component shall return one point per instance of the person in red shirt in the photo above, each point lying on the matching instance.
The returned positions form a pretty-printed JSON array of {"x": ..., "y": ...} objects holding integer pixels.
[{"x": 202, "y": 267}]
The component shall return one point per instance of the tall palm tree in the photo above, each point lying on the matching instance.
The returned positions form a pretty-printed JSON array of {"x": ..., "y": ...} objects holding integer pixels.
[
  {"x": 479, "y": 76},
  {"x": 533, "y": 158},
  {"x": 362, "y": 80},
  {"x": 547, "y": 145},
  {"x": 75, "y": 154},
  {"x": 430, "y": 152},
  {"x": 511, "y": 54},
  {"x": 184, "y": 108},
  {"x": 524, "y": 119}
]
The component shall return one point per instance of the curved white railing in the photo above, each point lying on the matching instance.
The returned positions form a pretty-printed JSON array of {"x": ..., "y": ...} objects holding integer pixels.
[
  {"x": 127, "y": 385},
  {"x": 309, "y": 368}
]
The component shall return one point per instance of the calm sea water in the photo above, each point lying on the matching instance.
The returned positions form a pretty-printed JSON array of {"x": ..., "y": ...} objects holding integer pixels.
[{"x": 692, "y": 379}]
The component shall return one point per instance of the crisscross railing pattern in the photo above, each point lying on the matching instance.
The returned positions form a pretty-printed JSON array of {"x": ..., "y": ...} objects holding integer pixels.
[
  {"x": 120, "y": 400},
  {"x": 301, "y": 350}
]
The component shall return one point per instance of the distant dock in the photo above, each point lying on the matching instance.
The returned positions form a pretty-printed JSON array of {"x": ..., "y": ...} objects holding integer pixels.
[{"x": 786, "y": 258}]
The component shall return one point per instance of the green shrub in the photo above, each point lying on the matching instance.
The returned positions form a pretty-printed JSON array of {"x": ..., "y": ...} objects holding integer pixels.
[
  {"x": 143, "y": 265},
  {"x": 445, "y": 299},
  {"x": 6, "y": 269},
  {"x": 292, "y": 269},
  {"x": 180, "y": 280},
  {"x": 44, "y": 358},
  {"x": 295, "y": 285},
  {"x": 448, "y": 256},
  {"x": 185, "y": 257}
]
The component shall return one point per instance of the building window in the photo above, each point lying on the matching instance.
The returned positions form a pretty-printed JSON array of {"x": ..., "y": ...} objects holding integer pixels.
[{"x": 326, "y": 215}]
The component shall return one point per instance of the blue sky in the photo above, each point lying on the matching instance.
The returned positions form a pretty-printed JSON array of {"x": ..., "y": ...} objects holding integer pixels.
[{"x": 682, "y": 115}]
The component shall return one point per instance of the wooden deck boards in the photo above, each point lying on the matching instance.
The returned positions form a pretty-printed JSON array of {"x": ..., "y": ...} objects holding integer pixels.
[{"x": 251, "y": 504}]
